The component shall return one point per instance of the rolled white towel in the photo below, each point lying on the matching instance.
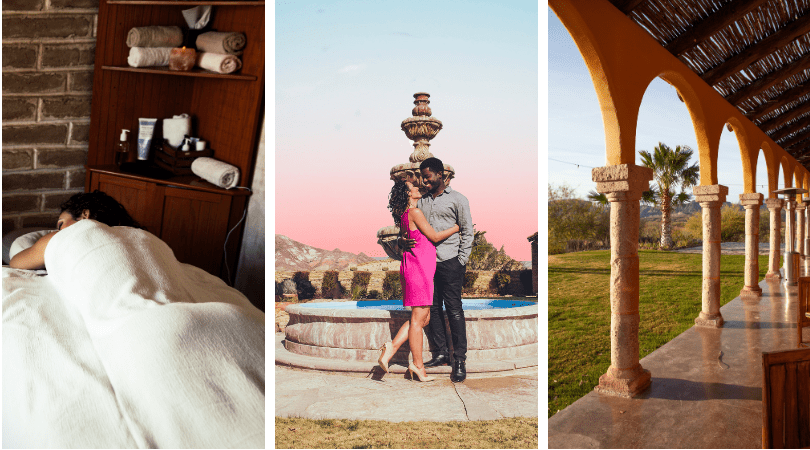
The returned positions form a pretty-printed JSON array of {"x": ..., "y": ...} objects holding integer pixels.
[
  {"x": 217, "y": 62},
  {"x": 176, "y": 128},
  {"x": 149, "y": 57},
  {"x": 230, "y": 43},
  {"x": 216, "y": 172},
  {"x": 155, "y": 37}
]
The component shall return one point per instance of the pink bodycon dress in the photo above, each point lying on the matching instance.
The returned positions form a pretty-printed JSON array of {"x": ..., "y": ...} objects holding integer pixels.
[{"x": 417, "y": 268}]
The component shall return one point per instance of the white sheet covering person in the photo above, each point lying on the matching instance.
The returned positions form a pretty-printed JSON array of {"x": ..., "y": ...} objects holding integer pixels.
[{"x": 180, "y": 351}]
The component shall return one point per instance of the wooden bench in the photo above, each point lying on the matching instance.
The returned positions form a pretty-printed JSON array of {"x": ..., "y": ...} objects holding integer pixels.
[
  {"x": 803, "y": 310},
  {"x": 786, "y": 399}
]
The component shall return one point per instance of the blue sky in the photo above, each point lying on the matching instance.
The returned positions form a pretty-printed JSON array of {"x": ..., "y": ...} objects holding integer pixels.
[
  {"x": 576, "y": 133},
  {"x": 345, "y": 75}
]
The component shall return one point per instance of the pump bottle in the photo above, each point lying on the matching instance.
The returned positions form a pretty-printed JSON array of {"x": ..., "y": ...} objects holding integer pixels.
[{"x": 122, "y": 151}]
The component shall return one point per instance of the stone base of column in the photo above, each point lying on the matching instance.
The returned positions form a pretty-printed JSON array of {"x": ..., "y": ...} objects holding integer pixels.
[
  {"x": 773, "y": 276},
  {"x": 706, "y": 320},
  {"x": 751, "y": 291},
  {"x": 624, "y": 383}
]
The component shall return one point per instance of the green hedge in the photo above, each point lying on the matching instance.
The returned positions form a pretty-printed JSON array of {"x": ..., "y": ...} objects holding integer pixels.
[
  {"x": 392, "y": 287},
  {"x": 330, "y": 286},
  {"x": 499, "y": 283},
  {"x": 303, "y": 286},
  {"x": 359, "y": 286},
  {"x": 469, "y": 281}
]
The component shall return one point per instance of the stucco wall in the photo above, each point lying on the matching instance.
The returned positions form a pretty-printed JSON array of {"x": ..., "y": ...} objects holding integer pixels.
[{"x": 250, "y": 270}]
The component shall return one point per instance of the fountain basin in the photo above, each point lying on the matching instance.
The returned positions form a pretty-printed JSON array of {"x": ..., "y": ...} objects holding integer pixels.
[{"x": 497, "y": 330}]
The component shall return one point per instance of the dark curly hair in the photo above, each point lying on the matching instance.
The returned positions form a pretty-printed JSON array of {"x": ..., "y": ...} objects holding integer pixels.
[
  {"x": 101, "y": 207},
  {"x": 398, "y": 200}
]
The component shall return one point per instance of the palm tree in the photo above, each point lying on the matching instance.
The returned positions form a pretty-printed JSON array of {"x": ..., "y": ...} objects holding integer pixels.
[
  {"x": 599, "y": 198},
  {"x": 671, "y": 169}
]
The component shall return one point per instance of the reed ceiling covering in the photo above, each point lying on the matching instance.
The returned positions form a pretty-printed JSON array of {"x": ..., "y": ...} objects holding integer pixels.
[{"x": 755, "y": 53}]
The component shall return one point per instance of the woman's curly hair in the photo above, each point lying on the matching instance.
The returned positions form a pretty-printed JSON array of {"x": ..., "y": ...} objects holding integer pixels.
[
  {"x": 101, "y": 207},
  {"x": 398, "y": 200}
]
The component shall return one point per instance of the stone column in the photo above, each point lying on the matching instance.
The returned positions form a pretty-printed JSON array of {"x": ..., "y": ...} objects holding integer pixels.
[
  {"x": 623, "y": 185},
  {"x": 806, "y": 202},
  {"x": 790, "y": 238},
  {"x": 775, "y": 207},
  {"x": 752, "y": 203},
  {"x": 799, "y": 231},
  {"x": 710, "y": 199}
]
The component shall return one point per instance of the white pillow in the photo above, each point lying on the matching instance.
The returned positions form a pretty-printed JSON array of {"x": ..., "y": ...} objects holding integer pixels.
[{"x": 25, "y": 241}]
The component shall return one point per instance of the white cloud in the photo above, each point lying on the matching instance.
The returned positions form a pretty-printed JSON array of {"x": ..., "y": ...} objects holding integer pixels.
[{"x": 352, "y": 68}]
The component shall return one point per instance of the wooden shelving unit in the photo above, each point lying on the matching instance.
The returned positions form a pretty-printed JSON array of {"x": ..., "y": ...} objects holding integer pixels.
[
  {"x": 195, "y": 72},
  {"x": 190, "y": 215},
  {"x": 187, "y": 3}
]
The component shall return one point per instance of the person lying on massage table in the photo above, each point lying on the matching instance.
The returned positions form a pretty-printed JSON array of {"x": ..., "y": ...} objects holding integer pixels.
[{"x": 95, "y": 205}]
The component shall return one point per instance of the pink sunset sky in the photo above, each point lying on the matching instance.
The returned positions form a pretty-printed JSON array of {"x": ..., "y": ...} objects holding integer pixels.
[{"x": 345, "y": 78}]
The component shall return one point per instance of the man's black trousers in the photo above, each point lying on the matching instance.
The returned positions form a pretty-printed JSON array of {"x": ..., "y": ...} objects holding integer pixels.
[{"x": 447, "y": 284}]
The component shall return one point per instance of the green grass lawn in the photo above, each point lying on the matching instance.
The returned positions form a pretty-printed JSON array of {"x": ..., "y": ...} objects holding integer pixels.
[{"x": 579, "y": 311}]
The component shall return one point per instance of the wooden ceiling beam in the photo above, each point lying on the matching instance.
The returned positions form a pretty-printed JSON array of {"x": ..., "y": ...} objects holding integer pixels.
[
  {"x": 709, "y": 26},
  {"x": 804, "y": 154},
  {"x": 754, "y": 53},
  {"x": 797, "y": 139},
  {"x": 626, "y": 6},
  {"x": 790, "y": 129},
  {"x": 790, "y": 95},
  {"x": 763, "y": 83},
  {"x": 776, "y": 122}
]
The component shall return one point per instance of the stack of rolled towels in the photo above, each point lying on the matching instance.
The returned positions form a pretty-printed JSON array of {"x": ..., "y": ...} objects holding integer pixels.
[
  {"x": 151, "y": 46},
  {"x": 217, "y": 51}
]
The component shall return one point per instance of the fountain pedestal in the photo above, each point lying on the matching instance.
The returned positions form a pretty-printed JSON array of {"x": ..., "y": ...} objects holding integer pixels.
[{"x": 420, "y": 128}]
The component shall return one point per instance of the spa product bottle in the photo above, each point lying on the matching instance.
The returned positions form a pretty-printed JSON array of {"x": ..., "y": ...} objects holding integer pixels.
[{"x": 122, "y": 150}]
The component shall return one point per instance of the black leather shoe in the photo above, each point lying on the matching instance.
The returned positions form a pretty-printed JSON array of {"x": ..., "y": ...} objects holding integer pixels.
[
  {"x": 459, "y": 372},
  {"x": 438, "y": 360}
]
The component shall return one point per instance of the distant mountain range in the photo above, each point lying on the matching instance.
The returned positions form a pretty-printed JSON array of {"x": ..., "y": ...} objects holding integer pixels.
[{"x": 293, "y": 255}]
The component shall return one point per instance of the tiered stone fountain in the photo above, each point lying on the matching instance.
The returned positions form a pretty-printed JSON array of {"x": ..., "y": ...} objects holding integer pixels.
[
  {"x": 346, "y": 336},
  {"x": 420, "y": 128}
]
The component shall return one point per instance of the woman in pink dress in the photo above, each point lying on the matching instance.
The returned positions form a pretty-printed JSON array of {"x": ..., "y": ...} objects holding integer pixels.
[{"x": 416, "y": 274}]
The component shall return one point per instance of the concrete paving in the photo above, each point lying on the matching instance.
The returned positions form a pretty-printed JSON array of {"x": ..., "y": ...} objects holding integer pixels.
[
  {"x": 706, "y": 387},
  {"x": 393, "y": 397}
]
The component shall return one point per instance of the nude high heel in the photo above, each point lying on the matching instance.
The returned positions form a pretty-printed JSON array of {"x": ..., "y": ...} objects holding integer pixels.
[
  {"x": 414, "y": 370},
  {"x": 384, "y": 351}
]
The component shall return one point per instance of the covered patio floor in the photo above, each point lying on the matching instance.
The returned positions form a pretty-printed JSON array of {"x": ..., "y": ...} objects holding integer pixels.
[{"x": 706, "y": 387}]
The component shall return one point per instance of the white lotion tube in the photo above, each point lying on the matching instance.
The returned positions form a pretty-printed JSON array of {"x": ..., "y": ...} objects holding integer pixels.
[{"x": 146, "y": 128}]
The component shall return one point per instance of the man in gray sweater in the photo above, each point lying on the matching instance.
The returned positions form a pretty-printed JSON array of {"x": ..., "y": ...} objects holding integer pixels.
[{"x": 443, "y": 208}]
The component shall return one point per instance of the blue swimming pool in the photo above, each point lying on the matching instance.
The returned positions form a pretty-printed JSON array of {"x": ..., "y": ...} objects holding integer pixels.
[{"x": 396, "y": 305}]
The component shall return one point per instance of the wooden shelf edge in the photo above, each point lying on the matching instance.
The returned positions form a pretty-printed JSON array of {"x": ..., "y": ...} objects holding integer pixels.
[
  {"x": 180, "y": 181},
  {"x": 187, "y": 3},
  {"x": 199, "y": 73}
]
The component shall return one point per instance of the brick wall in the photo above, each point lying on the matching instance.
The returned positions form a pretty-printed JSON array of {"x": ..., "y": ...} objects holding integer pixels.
[{"x": 48, "y": 53}]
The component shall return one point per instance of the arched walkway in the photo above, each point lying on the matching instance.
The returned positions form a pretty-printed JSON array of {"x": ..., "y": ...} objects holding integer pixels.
[{"x": 622, "y": 60}]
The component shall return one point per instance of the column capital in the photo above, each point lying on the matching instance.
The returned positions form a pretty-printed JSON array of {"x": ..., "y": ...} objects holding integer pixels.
[
  {"x": 710, "y": 193},
  {"x": 622, "y": 178},
  {"x": 800, "y": 206},
  {"x": 774, "y": 203},
  {"x": 751, "y": 200}
]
